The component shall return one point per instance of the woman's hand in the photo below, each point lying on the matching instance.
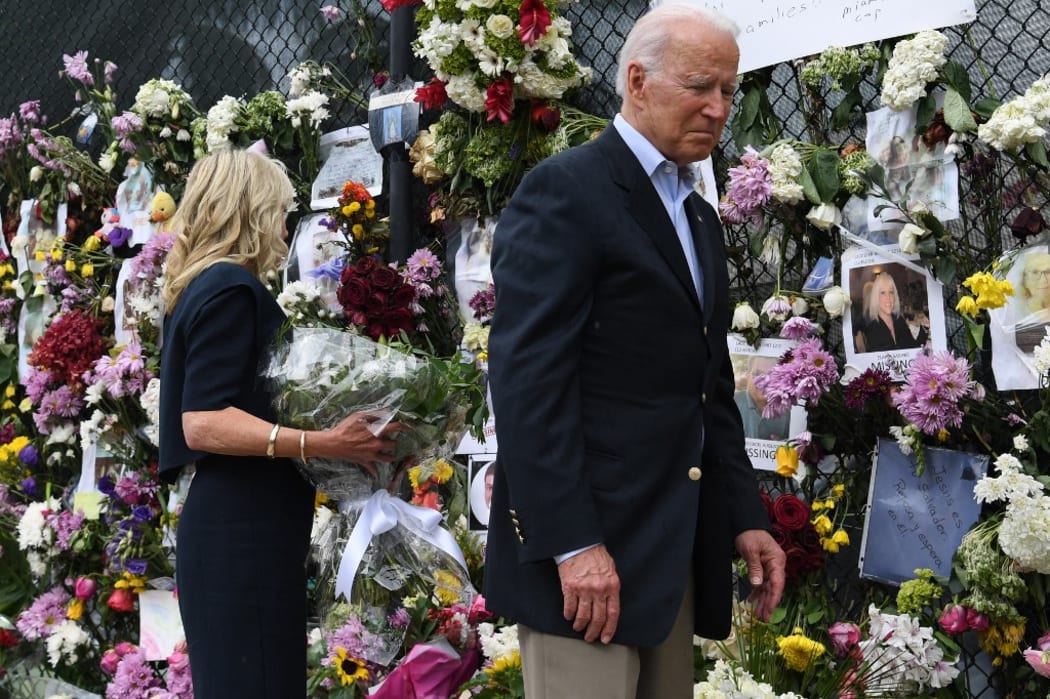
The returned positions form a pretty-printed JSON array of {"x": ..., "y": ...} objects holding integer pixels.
[{"x": 362, "y": 438}]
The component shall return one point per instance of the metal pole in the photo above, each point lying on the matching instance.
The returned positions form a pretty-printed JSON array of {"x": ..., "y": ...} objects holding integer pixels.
[{"x": 399, "y": 172}]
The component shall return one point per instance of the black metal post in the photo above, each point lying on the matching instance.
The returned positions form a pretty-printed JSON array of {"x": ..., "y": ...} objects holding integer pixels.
[{"x": 399, "y": 169}]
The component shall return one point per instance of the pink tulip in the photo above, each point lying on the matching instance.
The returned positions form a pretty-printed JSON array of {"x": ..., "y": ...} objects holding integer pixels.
[
  {"x": 122, "y": 600},
  {"x": 953, "y": 620},
  {"x": 1039, "y": 660},
  {"x": 977, "y": 621},
  {"x": 85, "y": 589},
  {"x": 844, "y": 636},
  {"x": 1044, "y": 641}
]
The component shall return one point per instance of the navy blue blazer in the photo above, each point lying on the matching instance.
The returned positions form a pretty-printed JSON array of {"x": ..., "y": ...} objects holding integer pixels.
[{"x": 609, "y": 385}]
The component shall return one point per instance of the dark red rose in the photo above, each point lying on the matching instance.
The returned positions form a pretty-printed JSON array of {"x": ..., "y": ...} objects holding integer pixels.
[
  {"x": 781, "y": 535},
  {"x": 396, "y": 321},
  {"x": 790, "y": 512},
  {"x": 352, "y": 293},
  {"x": 545, "y": 115},
  {"x": 767, "y": 502},
  {"x": 375, "y": 303},
  {"x": 402, "y": 296},
  {"x": 365, "y": 265},
  {"x": 812, "y": 560},
  {"x": 375, "y": 330},
  {"x": 356, "y": 318},
  {"x": 808, "y": 538},
  {"x": 796, "y": 559},
  {"x": 385, "y": 277},
  {"x": 8, "y": 638}
]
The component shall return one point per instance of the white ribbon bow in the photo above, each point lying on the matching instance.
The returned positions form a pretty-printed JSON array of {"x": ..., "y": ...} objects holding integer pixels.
[{"x": 381, "y": 513}]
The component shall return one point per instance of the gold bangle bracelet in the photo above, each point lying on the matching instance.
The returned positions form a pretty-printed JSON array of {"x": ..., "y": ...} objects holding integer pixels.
[
  {"x": 302, "y": 446},
  {"x": 271, "y": 446}
]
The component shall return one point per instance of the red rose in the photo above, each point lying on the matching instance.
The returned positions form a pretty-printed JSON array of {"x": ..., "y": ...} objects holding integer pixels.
[
  {"x": 796, "y": 561},
  {"x": 385, "y": 277},
  {"x": 122, "y": 600},
  {"x": 375, "y": 330},
  {"x": 8, "y": 638},
  {"x": 767, "y": 503},
  {"x": 396, "y": 321},
  {"x": 365, "y": 265},
  {"x": 545, "y": 115},
  {"x": 352, "y": 293},
  {"x": 402, "y": 297},
  {"x": 808, "y": 538},
  {"x": 790, "y": 512},
  {"x": 375, "y": 303},
  {"x": 781, "y": 535}
]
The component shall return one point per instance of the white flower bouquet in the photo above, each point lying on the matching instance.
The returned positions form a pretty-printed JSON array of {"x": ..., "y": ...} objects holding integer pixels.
[{"x": 324, "y": 374}]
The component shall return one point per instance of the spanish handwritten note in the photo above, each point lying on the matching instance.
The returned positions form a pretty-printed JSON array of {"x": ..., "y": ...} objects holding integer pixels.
[
  {"x": 773, "y": 31},
  {"x": 918, "y": 521}
]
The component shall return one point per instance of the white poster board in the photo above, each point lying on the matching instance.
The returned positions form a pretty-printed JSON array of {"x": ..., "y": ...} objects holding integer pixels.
[{"x": 774, "y": 31}]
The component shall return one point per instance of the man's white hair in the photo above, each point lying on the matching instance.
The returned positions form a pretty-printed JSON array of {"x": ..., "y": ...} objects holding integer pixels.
[{"x": 647, "y": 41}]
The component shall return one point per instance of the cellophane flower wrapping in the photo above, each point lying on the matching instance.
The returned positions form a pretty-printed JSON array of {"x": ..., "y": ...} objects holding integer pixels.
[
  {"x": 320, "y": 376},
  {"x": 324, "y": 374}
]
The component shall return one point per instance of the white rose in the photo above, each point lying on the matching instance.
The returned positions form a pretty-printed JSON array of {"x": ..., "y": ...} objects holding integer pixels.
[
  {"x": 836, "y": 301},
  {"x": 909, "y": 238},
  {"x": 108, "y": 160},
  {"x": 744, "y": 317},
  {"x": 824, "y": 216},
  {"x": 501, "y": 26},
  {"x": 35, "y": 173}
]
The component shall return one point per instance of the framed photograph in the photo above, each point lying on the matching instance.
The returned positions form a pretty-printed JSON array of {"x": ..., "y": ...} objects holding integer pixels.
[
  {"x": 346, "y": 154},
  {"x": 762, "y": 435}
]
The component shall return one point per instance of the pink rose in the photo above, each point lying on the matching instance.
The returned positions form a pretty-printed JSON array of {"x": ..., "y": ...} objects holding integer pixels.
[
  {"x": 109, "y": 662},
  {"x": 953, "y": 619},
  {"x": 121, "y": 600},
  {"x": 844, "y": 636},
  {"x": 976, "y": 620},
  {"x": 85, "y": 589}
]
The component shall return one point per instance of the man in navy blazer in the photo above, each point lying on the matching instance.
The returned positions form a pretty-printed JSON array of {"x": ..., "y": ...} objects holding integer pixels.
[{"x": 623, "y": 483}]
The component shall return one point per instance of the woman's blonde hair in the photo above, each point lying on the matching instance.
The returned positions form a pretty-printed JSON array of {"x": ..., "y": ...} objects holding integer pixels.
[
  {"x": 233, "y": 210},
  {"x": 882, "y": 280}
]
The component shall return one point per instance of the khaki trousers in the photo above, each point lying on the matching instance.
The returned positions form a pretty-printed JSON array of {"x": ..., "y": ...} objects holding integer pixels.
[{"x": 556, "y": 667}]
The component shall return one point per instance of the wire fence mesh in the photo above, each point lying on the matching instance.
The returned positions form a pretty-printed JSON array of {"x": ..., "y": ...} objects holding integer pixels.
[{"x": 236, "y": 47}]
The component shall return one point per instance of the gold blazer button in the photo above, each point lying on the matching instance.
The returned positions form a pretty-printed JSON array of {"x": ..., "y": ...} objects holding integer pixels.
[{"x": 695, "y": 473}]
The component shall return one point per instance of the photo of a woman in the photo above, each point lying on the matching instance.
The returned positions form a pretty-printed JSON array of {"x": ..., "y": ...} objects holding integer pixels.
[{"x": 885, "y": 328}]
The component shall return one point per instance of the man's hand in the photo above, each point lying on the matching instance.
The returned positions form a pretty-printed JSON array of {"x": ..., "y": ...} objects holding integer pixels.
[
  {"x": 765, "y": 569},
  {"x": 591, "y": 590}
]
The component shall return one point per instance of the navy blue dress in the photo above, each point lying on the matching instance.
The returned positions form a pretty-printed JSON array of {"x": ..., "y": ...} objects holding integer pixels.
[{"x": 243, "y": 535}]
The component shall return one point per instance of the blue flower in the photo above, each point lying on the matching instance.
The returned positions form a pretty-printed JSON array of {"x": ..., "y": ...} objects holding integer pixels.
[
  {"x": 28, "y": 455},
  {"x": 135, "y": 566}
]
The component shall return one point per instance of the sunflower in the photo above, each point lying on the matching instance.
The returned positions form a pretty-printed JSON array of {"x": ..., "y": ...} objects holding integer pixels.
[{"x": 349, "y": 669}]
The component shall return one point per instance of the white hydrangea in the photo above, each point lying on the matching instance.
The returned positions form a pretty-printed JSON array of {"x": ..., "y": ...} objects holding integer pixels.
[
  {"x": 438, "y": 40},
  {"x": 159, "y": 98},
  {"x": 785, "y": 167},
  {"x": 462, "y": 90},
  {"x": 1024, "y": 534},
  {"x": 150, "y": 401},
  {"x": 1021, "y": 120},
  {"x": 65, "y": 642},
  {"x": 1041, "y": 355},
  {"x": 531, "y": 82},
  {"x": 221, "y": 122},
  {"x": 915, "y": 63},
  {"x": 311, "y": 107}
]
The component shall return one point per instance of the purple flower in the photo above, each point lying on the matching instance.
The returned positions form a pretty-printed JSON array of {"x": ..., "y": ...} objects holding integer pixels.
[
  {"x": 399, "y": 619},
  {"x": 333, "y": 269},
  {"x": 29, "y": 486},
  {"x": 804, "y": 374},
  {"x": 45, "y": 613},
  {"x": 930, "y": 396},
  {"x": 63, "y": 402},
  {"x": 134, "y": 677},
  {"x": 65, "y": 524},
  {"x": 798, "y": 328},
  {"x": 119, "y": 235},
  {"x": 108, "y": 70},
  {"x": 142, "y": 513},
  {"x": 357, "y": 639},
  {"x": 77, "y": 68},
  {"x": 870, "y": 384},
  {"x": 423, "y": 266},
  {"x": 750, "y": 187},
  {"x": 28, "y": 455},
  {"x": 10, "y": 133},
  {"x": 331, "y": 12},
  {"x": 483, "y": 303},
  {"x": 105, "y": 485},
  {"x": 30, "y": 111},
  {"x": 126, "y": 124},
  {"x": 135, "y": 566}
]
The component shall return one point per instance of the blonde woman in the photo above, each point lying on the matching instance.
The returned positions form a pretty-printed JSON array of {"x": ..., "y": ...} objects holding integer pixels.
[
  {"x": 885, "y": 328},
  {"x": 244, "y": 530}
]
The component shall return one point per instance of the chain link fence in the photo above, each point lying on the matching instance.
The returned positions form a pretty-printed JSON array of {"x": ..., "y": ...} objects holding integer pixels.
[{"x": 236, "y": 47}]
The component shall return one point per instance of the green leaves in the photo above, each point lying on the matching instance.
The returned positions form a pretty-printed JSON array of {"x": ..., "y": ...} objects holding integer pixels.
[
  {"x": 957, "y": 112},
  {"x": 755, "y": 123}
]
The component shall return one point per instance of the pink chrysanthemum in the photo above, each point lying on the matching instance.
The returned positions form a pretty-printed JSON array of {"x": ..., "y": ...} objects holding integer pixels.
[
  {"x": 804, "y": 374},
  {"x": 930, "y": 397},
  {"x": 45, "y": 613}
]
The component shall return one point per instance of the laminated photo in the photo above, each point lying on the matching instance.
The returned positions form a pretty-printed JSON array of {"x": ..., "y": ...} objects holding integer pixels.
[
  {"x": 346, "y": 154},
  {"x": 762, "y": 433},
  {"x": 896, "y": 311},
  {"x": 1017, "y": 328}
]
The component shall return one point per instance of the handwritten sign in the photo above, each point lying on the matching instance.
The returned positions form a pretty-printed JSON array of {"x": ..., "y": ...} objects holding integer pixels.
[
  {"x": 918, "y": 521},
  {"x": 774, "y": 31}
]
